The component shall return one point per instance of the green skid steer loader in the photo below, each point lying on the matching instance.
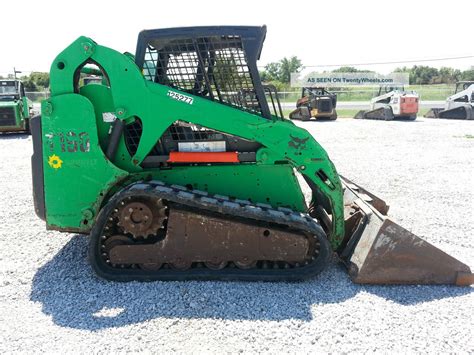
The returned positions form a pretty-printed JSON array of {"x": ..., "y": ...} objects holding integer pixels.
[
  {"x": 175, "y": 176},
  {"x": 15, "y": 107}
]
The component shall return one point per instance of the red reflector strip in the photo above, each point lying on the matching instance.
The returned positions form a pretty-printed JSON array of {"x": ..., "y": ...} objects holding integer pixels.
[{"x": 203, "y": 157}]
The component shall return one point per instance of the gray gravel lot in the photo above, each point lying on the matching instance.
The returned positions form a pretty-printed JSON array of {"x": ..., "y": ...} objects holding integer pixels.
[{"x": 51, "y": 301}]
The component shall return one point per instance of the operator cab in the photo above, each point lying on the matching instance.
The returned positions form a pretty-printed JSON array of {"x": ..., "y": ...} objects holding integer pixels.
[
  {"x": 463, "y": 85},
  {"x": 308, "y": 91},
  {"x": 385, "y": 89},
  {"x": 319, "y": 92},
  {"x": 218, "y": 63},
  {"x": 11, "y": 90}
]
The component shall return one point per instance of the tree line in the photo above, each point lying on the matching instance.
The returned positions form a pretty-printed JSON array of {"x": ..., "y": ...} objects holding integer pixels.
[
  {"x": 279, "y": 73},
  {"x": 35, "y": 81},
  {"x": 422, "y": 75}
]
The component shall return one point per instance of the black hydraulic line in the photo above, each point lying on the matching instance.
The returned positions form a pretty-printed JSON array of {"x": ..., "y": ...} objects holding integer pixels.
[
  {"x": 212, "y": 64},
  {"x": 117, "y": 130}
]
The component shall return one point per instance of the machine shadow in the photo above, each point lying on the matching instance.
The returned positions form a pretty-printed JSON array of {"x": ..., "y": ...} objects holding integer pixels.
[
  {"x": 70, "y": 293},
  {"x": 406, "y": 121},
  {"x": 14, "y": 135}
]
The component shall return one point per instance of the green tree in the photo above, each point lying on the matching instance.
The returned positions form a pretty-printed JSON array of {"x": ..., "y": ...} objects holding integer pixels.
[
  {"x": 226, "y": 74},
  {"x": 448, "y": 75},
  {"x": 424, "y": 74},
  {"x": 29, "y": 84},
  {"x": 281, "y": 70},
  {"x": 347, "y": 69},
  {"x": 40, "y": 79},
  {"x": 468, "y": 75},
  {"x": 35, "y": 81},
  {"x": 288, "y": 66},
  {"x": 421, "y": 74},
  {"x": 272, "y": 72}
]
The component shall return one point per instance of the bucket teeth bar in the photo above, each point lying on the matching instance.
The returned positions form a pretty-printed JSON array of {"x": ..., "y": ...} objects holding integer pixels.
[{"x": 379, "y": 251}]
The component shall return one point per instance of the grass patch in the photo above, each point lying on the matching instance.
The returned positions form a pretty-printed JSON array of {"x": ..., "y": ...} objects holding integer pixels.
[
  {"x": 350, "y": 113},
  {"x": 343, "y": 113},
  {"x": 422, "y": 111},
  {"x": 438, "y": 92},
  {"x": 286, "y": 112},
  {"x": 346, "y": 113}
]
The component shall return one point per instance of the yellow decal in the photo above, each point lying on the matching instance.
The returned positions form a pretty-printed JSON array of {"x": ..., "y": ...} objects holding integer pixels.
[{"x": 54, "y": 161}]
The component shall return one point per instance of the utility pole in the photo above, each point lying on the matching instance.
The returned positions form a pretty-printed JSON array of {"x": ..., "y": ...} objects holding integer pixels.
[{"x": 15, "y": 72}]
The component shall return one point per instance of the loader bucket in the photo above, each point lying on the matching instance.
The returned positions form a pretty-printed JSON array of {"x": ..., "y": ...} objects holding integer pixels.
[
  {"x": 433, "y": 112},
  {"x": 379, "y": 251},
  {"x": 360, "y": 115}
]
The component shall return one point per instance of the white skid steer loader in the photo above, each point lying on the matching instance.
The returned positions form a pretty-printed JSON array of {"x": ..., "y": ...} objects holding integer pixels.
[
  {"x": 391, "y": 103},
  {"x": 458, "y": 106}
]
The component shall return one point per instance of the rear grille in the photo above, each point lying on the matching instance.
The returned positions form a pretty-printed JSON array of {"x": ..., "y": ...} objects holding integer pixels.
[
  {"x": 325, "y": 105},
  {"x": 7, "y": 116},
  {"x": 133, "y": 133}
]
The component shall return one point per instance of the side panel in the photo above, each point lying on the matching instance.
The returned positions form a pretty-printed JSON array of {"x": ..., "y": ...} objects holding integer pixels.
[
  {"x": 271, "y": 184},
  {"x": 37, "y": 167},
  {"x": 26, "y": 107},
  {"x": 64, "y": 137},
  {"x": 11, "y": 117},
  {"x": 76, "y": 173}
]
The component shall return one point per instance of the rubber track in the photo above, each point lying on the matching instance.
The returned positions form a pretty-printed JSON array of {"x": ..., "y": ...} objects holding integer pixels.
[{"x": 218, "y": 204}]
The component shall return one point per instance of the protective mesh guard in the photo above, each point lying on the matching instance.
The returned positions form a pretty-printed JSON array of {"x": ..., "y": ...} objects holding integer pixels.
[{"x": 213, "y": 67}]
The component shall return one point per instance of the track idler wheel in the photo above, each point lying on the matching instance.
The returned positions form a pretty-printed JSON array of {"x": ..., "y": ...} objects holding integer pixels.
[
  {"x": 216, "y": 265},
  {"x": 245, "y": 264},
  {"x": 113, "y": 241},
  {"x": 181, "y": 265},
  {"x": 150, "y": 266}
]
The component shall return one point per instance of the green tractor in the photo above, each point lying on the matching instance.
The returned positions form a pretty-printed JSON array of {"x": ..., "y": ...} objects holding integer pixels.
[
  {"x": 178, "y": 168},
  {"x": 15, "y": 107}
]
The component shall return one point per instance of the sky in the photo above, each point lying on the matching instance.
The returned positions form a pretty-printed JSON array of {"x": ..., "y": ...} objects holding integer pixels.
[{"x": 318, "y": 32}]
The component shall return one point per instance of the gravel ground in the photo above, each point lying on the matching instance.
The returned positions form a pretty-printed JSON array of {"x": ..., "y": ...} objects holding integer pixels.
[{"x": 51, "y": 301}]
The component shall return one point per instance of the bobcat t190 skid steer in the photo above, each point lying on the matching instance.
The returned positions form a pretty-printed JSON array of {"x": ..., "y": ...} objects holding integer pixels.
[
  {"x": 459, "y": 106},
  {"x": 175, "y": 178}
]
